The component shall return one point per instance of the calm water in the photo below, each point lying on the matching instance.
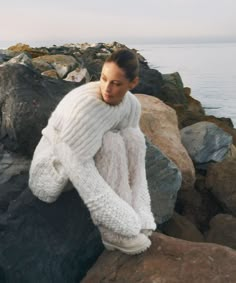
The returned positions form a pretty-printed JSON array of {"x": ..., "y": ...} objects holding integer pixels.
[{"x": 209, "y": 69}]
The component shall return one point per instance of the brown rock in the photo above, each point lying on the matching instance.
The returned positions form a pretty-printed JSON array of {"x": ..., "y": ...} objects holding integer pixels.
[
  {"x": 221, "y": 180},
  {"x": 193, "y": 104},
  {"x": 20, "y": 47},
  {"x": 63, "y": 64},
  {"x": 50, "y": 73},
  {"x": 185, "y": 117},
  {"x": 222, "y": 230},
  {"x": 197, "y": 207},
  {"x": 187, "y": 91},
  {"x": 180, "y": 227},
  {"x": 168, "y": 260},
  {"x": 160, "y": 125}
]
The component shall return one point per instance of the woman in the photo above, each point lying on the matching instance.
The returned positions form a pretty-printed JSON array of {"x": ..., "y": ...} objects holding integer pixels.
[{"x": 94, "y": 141}]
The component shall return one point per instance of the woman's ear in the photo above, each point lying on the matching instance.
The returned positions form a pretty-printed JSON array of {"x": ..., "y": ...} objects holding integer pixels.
[{"x": 134, "y": 82}]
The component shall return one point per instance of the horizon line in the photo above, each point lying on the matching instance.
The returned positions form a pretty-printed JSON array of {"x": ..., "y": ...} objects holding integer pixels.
[{"x": 125, "y": 41}]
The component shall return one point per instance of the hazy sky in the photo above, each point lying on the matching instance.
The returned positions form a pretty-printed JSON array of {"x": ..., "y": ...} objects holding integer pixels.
[{"x": 126, "y": 21}]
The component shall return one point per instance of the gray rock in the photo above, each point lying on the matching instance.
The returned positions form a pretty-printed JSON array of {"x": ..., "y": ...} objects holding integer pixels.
[
  {"x": 12, "y": 164},
  {"x": 206, "y": 142},
  {"x": 23, "y": 59},
  {"x": 3, "y": 57},
  {"x": 78, "y": 75},
  {"x": 26, "y": 102},
  {"x": 164, "y": 181}
]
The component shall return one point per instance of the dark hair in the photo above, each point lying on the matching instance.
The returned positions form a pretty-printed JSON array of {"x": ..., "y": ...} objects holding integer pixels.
[{"x": 127, "y": 61}]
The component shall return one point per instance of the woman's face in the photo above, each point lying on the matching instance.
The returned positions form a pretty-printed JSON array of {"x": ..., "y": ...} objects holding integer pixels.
[{"x": 114, "y": 83}]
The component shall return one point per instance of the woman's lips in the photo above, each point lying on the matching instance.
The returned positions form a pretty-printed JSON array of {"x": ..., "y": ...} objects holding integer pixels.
[{"x": 107, "y": 96}]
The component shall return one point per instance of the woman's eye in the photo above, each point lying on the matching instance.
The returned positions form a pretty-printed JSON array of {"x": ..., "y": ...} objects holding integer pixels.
[{"x": 116, "y": 83}]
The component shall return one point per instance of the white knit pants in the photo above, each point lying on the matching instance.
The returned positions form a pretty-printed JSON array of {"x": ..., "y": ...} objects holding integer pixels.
[
  {"x": 112, "y": 164},
  {"x": 121, "y": 161}
]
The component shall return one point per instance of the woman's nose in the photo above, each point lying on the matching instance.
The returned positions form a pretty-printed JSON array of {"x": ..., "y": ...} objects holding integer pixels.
[{"x": 108, "y": 87}]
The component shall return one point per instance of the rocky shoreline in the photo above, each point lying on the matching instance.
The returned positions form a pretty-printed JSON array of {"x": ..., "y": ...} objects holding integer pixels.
[{"x": 191, "y": 172}]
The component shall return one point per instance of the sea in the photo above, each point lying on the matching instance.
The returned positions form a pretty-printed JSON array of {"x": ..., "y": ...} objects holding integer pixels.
[{"x": 209, "y": 69}]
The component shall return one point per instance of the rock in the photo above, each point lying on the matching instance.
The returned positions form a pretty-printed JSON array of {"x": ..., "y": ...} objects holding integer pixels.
[
  {"x": 197, "y": 207},
  {"x": 9, "y": 191},
  {"x": 41, "y": 65},
  {"x": 27, "y": 100},
  {"x": 150, "y": 82},
  {"x": 206, "y": 142},
  {"x": 164, "y": 180},
  {"x": 92, "y": 63},
  {"x": 78, "y": 75},
  {"x": 63, "y": 64},
  {"x": 3, "y": 57},
  {"x": 173, "y": 89},
  {"x": 33, "y": 52},
  {"x": 52, "y": 73},
  {"x": 42, "y": 242},
  {"x": 23, "y": 59},
  {"x": 159, "y": 123},
  {"x": 222, "y": 230},
  {"x": 12, "y": 164},
  {"x": 180, "y": 227},
  {"x": 168, "y": 260},
  {"x": 225, "y": 124},
  {"x": 193, "y": 105},
  {"x": 221, "y": 181},
  {"x": 192, "y": 114}
]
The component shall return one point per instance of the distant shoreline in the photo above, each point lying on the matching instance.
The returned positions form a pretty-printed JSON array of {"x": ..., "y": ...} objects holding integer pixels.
[{"x": 172, "y": 41}]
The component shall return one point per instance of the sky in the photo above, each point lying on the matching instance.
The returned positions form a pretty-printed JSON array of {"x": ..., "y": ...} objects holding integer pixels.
[{"x": 43, "y": 22}]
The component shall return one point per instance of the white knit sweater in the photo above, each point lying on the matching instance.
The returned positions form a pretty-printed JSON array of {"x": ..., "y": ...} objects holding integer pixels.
[{"x": 70, "y": 141}]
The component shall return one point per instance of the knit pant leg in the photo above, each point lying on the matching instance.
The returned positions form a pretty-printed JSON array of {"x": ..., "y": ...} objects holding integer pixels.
[
  {"x": 136, "y": 151},
  {"x": 112, "y": 164}
]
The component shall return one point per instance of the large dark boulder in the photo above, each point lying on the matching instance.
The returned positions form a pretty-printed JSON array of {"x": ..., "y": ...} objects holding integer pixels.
[
  {"x": 26, "y": 102},
  {"x": 150, "y": 82},
  {"x": 42, "y": 242}
]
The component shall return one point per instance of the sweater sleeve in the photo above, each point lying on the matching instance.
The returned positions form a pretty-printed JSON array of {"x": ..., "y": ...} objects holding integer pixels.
[{"x": 106, "y": 207}]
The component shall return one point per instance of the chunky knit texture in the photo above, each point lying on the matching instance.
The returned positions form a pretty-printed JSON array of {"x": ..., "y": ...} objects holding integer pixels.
[
  {"x": 136, "y": 150},
  {"x": 66, "y": 151},
  {"x": 122, "y": 166}
]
